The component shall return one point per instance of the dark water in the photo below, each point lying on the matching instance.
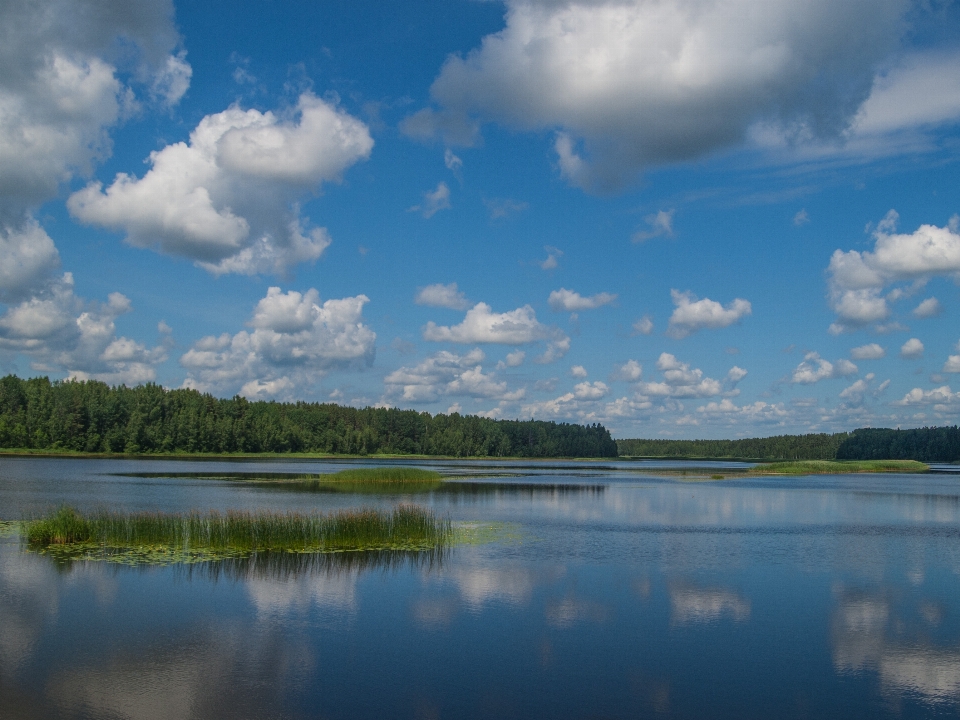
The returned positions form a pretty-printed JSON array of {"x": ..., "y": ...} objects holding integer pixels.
[{"x": 611, "y": 593}]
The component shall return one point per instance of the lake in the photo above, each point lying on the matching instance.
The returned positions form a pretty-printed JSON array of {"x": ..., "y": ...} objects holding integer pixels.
[{"x": 601, "y": 590}]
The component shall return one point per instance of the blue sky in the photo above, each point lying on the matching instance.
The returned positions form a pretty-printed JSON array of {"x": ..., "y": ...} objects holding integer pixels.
[{"x": 679, "y": 218}]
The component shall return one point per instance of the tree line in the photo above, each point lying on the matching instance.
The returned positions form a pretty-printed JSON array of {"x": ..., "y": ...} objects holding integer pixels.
[
  {"x": 815, "y": 446},
  {"x": 90, "y": 416}
]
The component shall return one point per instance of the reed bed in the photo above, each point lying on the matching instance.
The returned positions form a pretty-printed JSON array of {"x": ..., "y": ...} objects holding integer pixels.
[
  {"x": 380, "y": 475},
  {"x": 237, "y": 533},
  {"x": 839, "y": 467}
]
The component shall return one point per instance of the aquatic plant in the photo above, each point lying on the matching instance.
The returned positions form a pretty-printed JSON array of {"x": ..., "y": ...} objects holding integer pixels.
[
  {"x": 239, "y": 533},
  {"x": 838, "y": 467},
  {"x": 375, "y": 475}
]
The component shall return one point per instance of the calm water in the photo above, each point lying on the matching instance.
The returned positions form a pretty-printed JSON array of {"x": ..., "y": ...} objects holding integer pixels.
[{"x": 612, "y": 593}]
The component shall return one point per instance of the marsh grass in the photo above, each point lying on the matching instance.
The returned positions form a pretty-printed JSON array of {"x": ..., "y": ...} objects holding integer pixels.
[
  {"x": 163, "y": 538},
  {"x": 839, "y": 467}
]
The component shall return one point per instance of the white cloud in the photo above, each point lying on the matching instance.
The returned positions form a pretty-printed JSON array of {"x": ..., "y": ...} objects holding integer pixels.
[
  {"x": 434, "y": 201},
  {"x": 564, "y": 300},
  {"x": 228, "y": 198},
  {"x": 502, "y": 207},
  {"x": 858, "y": 278},
  {"x": 27, "y": 257},
  {"x": 63, "y": 333},
  {"x": 801, "y": 218},
  {"x": 691, "y": 315},
  {"x": 482, "y": 325},
  {"x": 643, "y": 326},
  {"x": 872, "y": 351},
  {"x": 63, "y": 84},
  {"x": 814, "y": 368},
  {"x": 911, "y": 349},
  {"x": 453, "y": 163},
  {"x": 590, "y": 391},
  {"x": 445, "y": 296},
  {"x": 941, "y": 396},
  {"x": 660, "y": 223},
  {"x": 514, "y": 359},
  {"x": 293, "y": 342},
  {"x": 633, "y": 84},
  {"x": 448, "y": 374},
  {"x": 758, "y": 411},
  {"x": 680, "y": 381},
  {"x": 952, "y": 365},
  {"x": 736, "y": 374},
  {"x": 551, "y": 263},
  {"x": 855, "y": 392},
  {"x": 630, "y": 371},
  {"x": 930, "y": 307},
  {"x": 578, "y": 371}
]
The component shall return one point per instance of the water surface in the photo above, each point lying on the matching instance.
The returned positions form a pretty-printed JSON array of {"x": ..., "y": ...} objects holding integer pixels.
[{"x": 610, "y": 591}]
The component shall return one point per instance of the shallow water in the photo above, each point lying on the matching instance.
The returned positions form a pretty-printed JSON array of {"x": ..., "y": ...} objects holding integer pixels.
[{"x": 610, "y": 592}]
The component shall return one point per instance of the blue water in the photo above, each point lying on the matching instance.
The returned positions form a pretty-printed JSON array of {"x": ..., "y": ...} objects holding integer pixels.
[{"x": 611, "y": 592}]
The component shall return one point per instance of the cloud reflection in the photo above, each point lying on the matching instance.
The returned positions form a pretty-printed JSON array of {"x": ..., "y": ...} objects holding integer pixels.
[{"x": 689, "y": 605}]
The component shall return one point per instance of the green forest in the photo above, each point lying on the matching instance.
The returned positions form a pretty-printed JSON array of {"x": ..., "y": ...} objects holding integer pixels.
[
  {"x": 90, "y": 416},
  {"x": 934, "y": 444},
  {"x": 818, "y": 446}
]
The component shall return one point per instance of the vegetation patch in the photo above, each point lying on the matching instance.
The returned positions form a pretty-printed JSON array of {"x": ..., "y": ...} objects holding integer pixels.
[
  {"x": 165, "y": 538},
  {"x": 833, "y": 467},
  {"x": 9, "y": 528}
]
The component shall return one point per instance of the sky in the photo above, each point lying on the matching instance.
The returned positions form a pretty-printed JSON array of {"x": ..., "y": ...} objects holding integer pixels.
[{"x": 677, "y": 218}]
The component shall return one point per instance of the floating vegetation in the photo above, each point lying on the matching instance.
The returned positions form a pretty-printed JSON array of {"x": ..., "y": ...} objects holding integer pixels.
[
  {"x": 377, "y": 480},
  {"x": 166, "y": 538},
  {"x": 9, "y": 528},
  {"x": 839, "y": 467}
]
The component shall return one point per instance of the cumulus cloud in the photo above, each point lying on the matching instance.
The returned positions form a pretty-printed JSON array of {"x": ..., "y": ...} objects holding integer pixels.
[
  {"x": 872, "y": 351},
  {"x": 630, "y": 84},
  {"x": 630, "y": 371},
  {"x": 758, "y": 411},
  {"x": 952, "y": 365},
  {"x": 691, "y": 314},
  {"x": 680, "y": 381},
  {"x": 64, "y": 82},
  {"x": 551, "y": 262},
  {"x": 27, "y": 258},
  {"x": 578, "y": 371},
  {"x": 930, "y": 307},
  {"x": 564, "y": 300},
  {"x": 445, "y": 296},
  {"x": 64, "y": 333},
  {"x": 814, "y": 368},
  {"x": 228, "y": 198},
  {"x": 448, "y": 374},
  {"x": 942, "y": 396},
  {"x": 855, "y": 392},
  {"x": 453, "y": 163},
  {"x": 911, "y": 349},
  {"x": 513, "y": 359},
  {"x": 643, "y": 326},
  {"x": 434, "y": 201},
  {"x": 590, "y": 390},
  {"x": 801, "y": 218},
  {"x": 659, "y": 224},
  {"x": 857, "y": 279},
  {"x": 482, "y": 325},
  {"x": 293, "y": 341}
]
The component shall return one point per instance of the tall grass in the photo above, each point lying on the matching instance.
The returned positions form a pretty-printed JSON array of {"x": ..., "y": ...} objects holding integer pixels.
[
  {"x": 838, "y": 467},
  {"x": 376, "y": 475},
  {"x": 405, "y": 527}
]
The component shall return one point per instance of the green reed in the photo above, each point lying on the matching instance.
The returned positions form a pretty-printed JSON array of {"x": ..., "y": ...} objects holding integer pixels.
[
  {"x": 404, "y": 527},
  {"x": 376, "y": 475},
  {"x": 838, "y": 467}
]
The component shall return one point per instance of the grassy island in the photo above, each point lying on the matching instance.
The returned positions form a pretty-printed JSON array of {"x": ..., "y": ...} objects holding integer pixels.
[
  {"x": 195, "y": 536},
  {"x": 838, "y": 467}
]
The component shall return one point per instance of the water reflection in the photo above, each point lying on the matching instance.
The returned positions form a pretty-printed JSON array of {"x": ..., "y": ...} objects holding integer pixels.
[
  {"x": 693, "y": 605},
  {"x": 872, "y": 633}
]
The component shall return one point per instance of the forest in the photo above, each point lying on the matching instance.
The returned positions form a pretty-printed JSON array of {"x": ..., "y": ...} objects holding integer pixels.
[
  {"x": 817, "y": 446},
  {"x": 90, "y": 416}
]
